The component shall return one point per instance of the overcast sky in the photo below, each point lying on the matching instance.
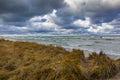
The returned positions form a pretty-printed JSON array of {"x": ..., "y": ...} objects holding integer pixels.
[{"x": 60, "y": 17}]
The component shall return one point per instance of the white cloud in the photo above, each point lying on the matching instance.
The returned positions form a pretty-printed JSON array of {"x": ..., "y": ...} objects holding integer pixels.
[
  {"x": 23, "y": 28},
  {"x": 104, "y": 28},
  {"x": 82, "y": 23},
  {"x": 44, "y": 25},
  {"x": 73, "y": 4},
  {"x": 49, "y": 23},
  {"x": 94, "y": 28},
  {"x": 49, "y": 17}
]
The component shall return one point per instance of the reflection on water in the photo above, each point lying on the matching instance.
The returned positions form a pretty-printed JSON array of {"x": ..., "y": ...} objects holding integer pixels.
[{"x": 108, "y": 44}]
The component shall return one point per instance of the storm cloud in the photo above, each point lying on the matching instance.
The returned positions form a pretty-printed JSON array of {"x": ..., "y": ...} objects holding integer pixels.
[
  {"x": 59, "y": 16},
  {"x": 14, "y": 10}
]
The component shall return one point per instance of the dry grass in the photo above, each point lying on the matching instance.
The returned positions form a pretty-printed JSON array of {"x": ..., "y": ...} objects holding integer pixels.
[{"x": 32, "y": 61}]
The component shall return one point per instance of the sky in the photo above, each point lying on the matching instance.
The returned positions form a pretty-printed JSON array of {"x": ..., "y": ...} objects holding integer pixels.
[{"x": 60, "y": 17}]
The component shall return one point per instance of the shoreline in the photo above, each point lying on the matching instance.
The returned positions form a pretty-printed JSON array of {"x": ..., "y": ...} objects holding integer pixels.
[{"x": 86, "y": 52}]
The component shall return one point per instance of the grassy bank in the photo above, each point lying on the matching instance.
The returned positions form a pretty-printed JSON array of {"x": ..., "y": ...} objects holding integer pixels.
[{"x": 32, "y": 61}]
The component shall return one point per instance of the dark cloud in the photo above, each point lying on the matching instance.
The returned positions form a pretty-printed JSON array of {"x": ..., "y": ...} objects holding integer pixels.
[
  {"x": 21, "y": 10},
  {"x": 106, "y": 16},
  {"x": 55, "y": 4},
  {"x": 12, "y": 6},
  {"x": 12, "y": 10}
]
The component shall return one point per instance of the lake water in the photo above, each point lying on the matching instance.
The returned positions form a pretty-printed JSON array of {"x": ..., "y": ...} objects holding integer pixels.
[{"x": 108, "y": 44}]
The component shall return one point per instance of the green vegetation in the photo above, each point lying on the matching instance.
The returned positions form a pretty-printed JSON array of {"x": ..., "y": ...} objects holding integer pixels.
[{"x": 32, "y": 61}]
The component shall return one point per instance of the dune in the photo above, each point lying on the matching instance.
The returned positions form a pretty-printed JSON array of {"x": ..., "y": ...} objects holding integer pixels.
[{"x": 31, "y": 61}]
